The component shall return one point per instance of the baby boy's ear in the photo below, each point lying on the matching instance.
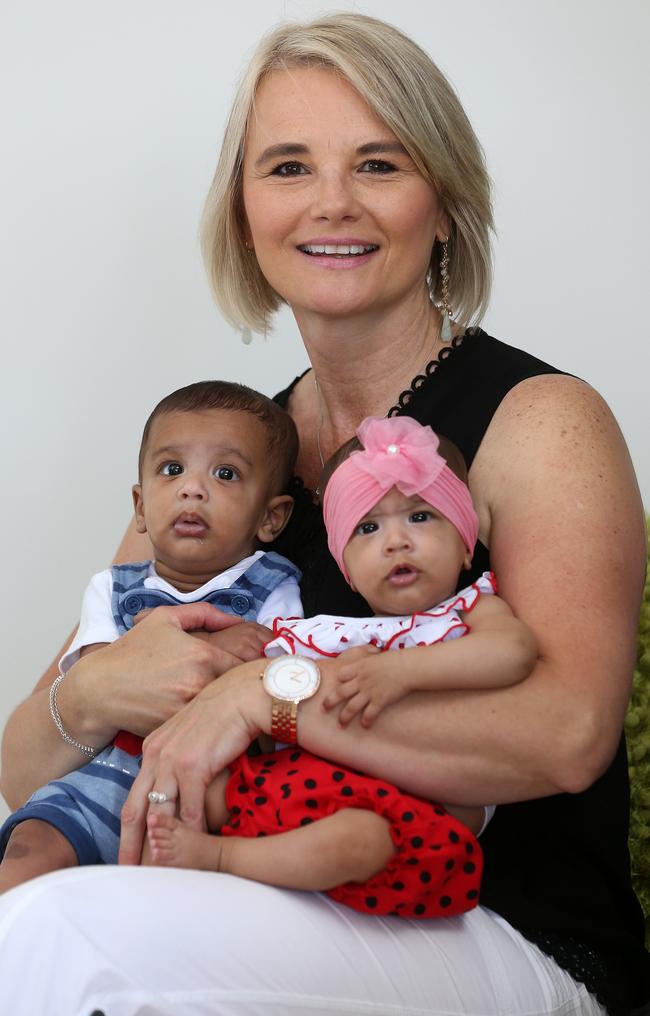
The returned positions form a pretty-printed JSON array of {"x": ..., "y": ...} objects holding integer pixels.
[
  {"x": 277, "y": 514},
  {"x": 138, "y": 504}
]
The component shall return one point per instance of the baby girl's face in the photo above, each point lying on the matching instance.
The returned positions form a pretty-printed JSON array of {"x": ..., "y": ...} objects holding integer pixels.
[{"x": 404, "y": 556}]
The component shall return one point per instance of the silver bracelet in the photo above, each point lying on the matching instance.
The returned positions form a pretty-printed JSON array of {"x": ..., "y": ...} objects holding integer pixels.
[{"x": 59, "y": 724}]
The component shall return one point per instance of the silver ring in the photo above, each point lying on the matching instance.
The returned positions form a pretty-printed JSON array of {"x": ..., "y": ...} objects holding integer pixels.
[{"x": 157, "y": 796}]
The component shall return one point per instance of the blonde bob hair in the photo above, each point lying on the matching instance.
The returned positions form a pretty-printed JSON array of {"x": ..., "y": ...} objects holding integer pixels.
[{"x": 403, "y": 86}]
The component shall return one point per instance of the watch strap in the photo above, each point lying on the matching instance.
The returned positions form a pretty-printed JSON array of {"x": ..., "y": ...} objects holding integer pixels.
[{"x": 284, "y": 717}]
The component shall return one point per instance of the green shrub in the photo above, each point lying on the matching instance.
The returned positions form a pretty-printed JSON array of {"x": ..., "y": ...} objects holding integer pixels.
[{"x": 637, "y": 729}]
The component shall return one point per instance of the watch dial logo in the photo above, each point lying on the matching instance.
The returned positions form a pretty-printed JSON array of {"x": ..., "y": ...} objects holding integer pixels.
[{"x": 292, "y": 678}]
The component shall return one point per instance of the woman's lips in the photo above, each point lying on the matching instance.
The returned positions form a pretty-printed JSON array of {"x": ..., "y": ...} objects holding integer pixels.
[
  {"x": 338, "y": 255},
  {"x": 190, "y": 525}
]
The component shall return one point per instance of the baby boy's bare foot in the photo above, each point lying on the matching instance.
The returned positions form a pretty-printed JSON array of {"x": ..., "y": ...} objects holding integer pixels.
[{"x": 174, "y": 845}]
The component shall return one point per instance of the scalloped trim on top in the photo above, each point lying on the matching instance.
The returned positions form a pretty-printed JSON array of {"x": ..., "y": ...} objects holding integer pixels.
[{"x": 420, "y": 379}]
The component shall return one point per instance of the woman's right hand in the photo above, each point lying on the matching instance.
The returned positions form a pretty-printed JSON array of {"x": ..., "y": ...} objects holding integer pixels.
[
  {"x": 145, "y": 677},
  {"x": 135, "y": 683}
]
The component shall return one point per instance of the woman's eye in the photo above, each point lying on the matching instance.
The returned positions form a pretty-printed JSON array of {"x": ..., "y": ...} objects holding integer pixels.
[
  {"x": 365, "y": 528},
  {"x": 289, "y": 169},
  {"x": 420, "y": 517},
  {"x": 378, "y": 166},
  {"x": 171, "y": 469},
  {"x": 226, "y": 473}
]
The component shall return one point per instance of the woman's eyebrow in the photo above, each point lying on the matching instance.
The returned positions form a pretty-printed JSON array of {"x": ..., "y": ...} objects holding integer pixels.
[
  {"x": 379, "y": 147},
  {"x": 289, "y": 148},
  {"x": 283, "y": 149}
]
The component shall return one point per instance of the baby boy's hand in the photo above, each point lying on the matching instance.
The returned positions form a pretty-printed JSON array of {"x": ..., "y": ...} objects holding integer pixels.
[
  {"x": 244, "y": 642},
  {"x": 366, "y": 681}
]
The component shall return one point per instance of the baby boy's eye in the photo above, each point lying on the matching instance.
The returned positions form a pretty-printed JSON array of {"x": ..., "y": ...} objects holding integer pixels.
[
  {"x": 226, "y": 473},
  {"x": 365, "y": 528},
  {"x": 171, "y": 469}
]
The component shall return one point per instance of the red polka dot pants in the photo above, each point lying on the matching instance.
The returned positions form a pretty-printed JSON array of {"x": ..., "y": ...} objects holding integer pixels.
[{"x": 436, "y": 868}]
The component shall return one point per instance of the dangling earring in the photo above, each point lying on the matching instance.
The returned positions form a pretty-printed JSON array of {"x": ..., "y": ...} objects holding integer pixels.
[{"x": 444, "y": 306}]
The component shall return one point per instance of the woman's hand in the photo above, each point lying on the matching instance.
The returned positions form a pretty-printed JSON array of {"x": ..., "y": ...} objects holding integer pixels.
[
  {"x": 183, "y": 756},
  {"x": 136, "y": 683},
  {"x": 145, "y": 677}
]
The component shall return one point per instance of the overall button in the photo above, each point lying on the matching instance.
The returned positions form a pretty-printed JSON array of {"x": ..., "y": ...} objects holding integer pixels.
[
  {"x": 133, "y": 604},
  {"x": 240, "y": 604}
]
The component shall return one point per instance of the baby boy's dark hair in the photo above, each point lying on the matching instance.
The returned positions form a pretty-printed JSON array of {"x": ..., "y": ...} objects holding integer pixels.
[
  {"x": 280, "y": 428},
  {"x": 446, "y": 448}
]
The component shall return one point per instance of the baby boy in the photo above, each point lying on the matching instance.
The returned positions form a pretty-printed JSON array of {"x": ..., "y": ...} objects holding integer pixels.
[{"x": 215, "y": 462}]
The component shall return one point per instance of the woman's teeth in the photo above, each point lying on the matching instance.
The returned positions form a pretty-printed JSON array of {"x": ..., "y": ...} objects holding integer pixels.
[{"x": 338, "y": 249}]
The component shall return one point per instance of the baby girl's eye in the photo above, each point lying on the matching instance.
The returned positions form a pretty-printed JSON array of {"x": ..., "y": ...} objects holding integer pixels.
[
  {"x": 226, "y": 473},
  {"x": 365, "y": 528},
  {"x": 420, "y": 516},
  {"x": 171, "y": 469}
]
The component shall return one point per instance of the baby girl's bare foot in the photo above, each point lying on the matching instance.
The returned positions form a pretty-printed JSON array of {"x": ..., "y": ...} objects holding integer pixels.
[{"x": 174, "y": 845}]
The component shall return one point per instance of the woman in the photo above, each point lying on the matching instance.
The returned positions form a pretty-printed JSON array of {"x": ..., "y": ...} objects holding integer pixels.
[{"x": 352, "y": 187}]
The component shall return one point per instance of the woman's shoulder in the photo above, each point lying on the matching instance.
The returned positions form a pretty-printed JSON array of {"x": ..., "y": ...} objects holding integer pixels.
[{"x": 547, "y": 408}]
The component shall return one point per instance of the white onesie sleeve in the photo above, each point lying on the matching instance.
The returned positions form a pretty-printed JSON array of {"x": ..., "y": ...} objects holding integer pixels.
[
  {"x": 284, "y": 601},
  {"x": 96, "y": 623}
]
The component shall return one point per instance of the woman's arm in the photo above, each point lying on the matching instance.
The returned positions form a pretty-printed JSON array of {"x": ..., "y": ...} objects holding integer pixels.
[
  {"x": 560, "y": 508},
  {"x": 32, "y": 750},
  {"x": 134, "y": 684},
  {"x": 497, "y": 651}
]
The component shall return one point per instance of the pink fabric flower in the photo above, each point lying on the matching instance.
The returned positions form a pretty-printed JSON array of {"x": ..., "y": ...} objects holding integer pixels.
[{"x": 398, "y": 452}]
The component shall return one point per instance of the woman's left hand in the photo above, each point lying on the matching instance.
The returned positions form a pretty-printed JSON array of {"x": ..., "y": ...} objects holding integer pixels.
[{"x": 183, "y": 756}]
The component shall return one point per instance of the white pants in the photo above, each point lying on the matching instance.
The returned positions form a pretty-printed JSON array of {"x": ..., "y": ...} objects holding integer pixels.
[{"x": 152, "y": 942}]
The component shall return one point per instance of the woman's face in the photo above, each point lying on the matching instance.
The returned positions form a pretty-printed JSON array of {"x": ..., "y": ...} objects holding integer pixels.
[{"x": 341, "y": 220}]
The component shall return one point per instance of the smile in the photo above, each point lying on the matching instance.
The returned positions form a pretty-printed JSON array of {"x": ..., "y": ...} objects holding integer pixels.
[{"x": 341, "y": 250}]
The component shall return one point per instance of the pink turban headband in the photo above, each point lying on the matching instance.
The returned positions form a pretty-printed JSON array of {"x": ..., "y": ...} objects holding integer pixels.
[{"x": 397, "y": 452}]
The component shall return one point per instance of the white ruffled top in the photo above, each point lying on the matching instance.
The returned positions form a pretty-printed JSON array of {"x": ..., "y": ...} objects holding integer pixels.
[{"x": 329, "y": 635}]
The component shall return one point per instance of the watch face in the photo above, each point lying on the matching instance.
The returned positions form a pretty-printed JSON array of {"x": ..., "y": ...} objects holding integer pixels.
[{"x": 292, "y": 678}]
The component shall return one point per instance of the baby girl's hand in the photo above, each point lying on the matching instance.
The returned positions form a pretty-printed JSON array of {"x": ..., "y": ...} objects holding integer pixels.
[{"x": 366, "y": 681}]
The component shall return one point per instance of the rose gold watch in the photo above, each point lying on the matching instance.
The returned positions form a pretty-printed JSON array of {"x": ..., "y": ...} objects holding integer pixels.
[{"x": 289, "y": 680}]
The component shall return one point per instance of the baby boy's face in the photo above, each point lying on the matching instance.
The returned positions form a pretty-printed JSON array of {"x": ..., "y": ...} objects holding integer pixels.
[{"x": 205, "y": 492}]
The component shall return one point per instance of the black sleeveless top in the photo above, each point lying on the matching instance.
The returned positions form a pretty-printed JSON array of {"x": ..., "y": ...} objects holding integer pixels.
[{"x": 556, "y": 868}]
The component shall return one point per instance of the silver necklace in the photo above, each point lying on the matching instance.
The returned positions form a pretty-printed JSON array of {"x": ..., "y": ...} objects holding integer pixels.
[{"x": 320, "y": 422}]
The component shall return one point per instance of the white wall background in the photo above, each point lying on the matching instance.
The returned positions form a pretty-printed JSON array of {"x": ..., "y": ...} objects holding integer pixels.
[{"x": 110, "y": 120}]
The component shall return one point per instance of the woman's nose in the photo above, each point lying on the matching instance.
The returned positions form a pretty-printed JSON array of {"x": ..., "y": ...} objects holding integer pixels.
[{"x": 334, "y": 197}]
